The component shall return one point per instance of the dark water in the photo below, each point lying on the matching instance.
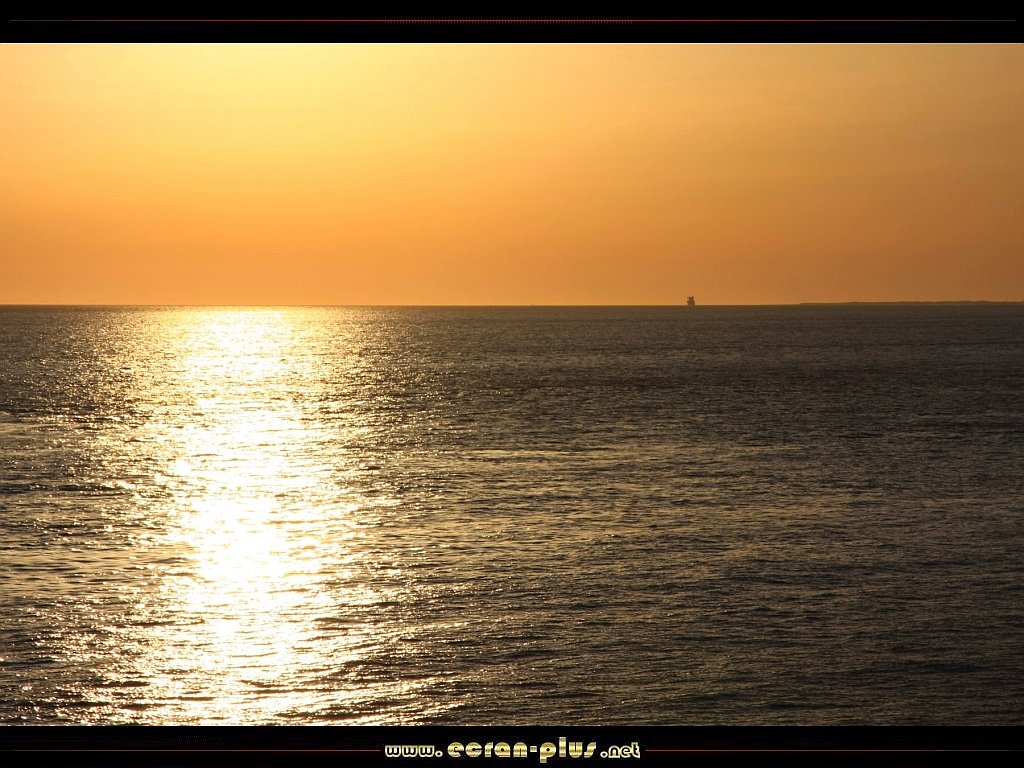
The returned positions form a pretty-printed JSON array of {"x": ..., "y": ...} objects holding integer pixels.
[{"x": 805, "y": 515}]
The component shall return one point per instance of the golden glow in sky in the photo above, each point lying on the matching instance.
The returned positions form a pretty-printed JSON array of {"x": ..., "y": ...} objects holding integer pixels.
[{"x": 510, "y": 174}]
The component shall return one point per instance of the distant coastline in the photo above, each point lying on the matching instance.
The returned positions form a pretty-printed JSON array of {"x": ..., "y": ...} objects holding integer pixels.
[{"x": 902, "y": 303}]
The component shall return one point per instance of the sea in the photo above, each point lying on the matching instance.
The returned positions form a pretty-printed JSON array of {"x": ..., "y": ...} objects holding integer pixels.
[{"x": 796, "y": 515}]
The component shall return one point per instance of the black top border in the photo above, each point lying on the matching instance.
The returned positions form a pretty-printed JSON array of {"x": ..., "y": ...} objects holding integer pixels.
[{"x": 502, "y": 29}]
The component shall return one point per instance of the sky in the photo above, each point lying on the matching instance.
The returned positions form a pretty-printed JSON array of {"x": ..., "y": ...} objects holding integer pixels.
[{"x": 510, "y": 174}]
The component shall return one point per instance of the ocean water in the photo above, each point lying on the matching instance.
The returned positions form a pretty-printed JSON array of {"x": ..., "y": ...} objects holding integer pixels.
[{"x": 719, "y": 515}]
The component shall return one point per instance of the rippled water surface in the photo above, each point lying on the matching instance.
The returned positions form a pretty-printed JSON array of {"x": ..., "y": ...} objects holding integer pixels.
[{"x": 423, "y": 515}]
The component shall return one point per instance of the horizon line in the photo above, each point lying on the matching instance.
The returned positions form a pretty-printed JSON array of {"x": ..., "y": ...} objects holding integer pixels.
[{"x": 681, "y": 305}]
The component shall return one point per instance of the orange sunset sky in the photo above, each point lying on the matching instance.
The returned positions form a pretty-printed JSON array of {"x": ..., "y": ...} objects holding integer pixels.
[{"x": 510, "y": 174}]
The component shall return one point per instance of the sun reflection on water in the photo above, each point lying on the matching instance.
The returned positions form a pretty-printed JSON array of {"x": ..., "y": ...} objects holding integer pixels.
[{"x": 264, "y": 536}]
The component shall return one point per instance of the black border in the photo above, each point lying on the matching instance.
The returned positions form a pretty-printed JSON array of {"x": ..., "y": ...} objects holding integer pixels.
[
  {"x": 687, "y": 23},
  {"x": 165, "y": 746}
]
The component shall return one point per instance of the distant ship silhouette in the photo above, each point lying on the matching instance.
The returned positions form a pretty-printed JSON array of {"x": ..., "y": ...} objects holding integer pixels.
[{"x": 690, "y": 302}]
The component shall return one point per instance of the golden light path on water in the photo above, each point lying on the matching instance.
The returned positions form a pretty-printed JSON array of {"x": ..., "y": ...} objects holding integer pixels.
[{"x": 264, "y": 574}]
